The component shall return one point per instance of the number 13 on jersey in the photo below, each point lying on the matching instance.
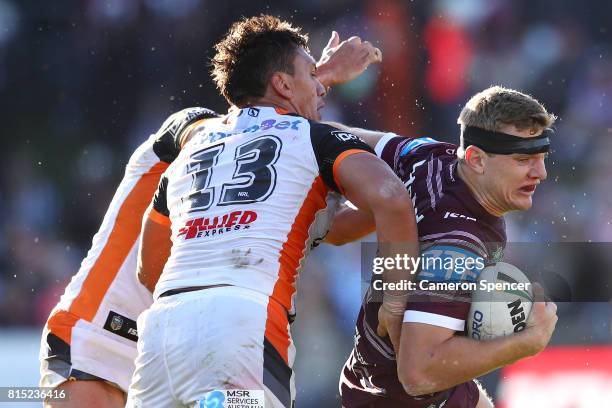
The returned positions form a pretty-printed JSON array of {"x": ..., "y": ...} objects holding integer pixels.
[{"x": 253, "y": 179}]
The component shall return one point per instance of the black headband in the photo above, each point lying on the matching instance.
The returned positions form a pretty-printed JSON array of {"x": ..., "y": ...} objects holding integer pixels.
[{"x": 503, "y": 143}]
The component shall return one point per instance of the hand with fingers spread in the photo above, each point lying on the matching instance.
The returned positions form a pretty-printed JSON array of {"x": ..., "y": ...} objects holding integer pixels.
[
  {"x": 541, "y": 322},
  {"x": 344, "y": 61}
]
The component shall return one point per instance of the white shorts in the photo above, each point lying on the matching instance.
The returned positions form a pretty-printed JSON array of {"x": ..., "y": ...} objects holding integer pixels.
[
  {"x": 227, "y": 344},
  {"x": 93, "y": 354}
]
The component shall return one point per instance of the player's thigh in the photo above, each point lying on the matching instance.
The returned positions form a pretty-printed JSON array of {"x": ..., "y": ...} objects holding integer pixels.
[
  {"x": 224, "y": 330},
  {"x": 88, "y": 394},
  {"x": 484, "y": 401}
]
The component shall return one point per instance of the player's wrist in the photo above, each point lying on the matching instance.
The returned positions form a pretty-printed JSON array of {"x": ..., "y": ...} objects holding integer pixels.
[
  {"x": 395, "y": 303},
  {"x": 326, "y": 76},
  {"x": 529, "y": 342}
]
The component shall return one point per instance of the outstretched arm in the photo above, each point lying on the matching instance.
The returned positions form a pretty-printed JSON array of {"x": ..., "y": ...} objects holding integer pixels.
[{"x": 369, "y": 183}]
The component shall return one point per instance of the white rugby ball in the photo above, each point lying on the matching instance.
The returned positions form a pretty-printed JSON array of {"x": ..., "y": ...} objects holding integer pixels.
[{"x": 504, "y": 306}]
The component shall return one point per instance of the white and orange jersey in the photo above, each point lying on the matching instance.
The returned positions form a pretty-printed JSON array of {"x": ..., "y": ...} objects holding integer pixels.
[
  {"x": 105, "y": 297},
  {"x": 247, "y": 198}
]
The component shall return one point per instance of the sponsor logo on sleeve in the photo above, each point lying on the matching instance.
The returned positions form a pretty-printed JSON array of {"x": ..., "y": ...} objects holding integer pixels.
[
  {"x": 344, "y": 136},
  {"x": 455, "y": 215}
]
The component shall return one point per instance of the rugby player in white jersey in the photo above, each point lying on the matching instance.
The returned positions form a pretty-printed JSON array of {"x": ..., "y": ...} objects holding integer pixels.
[
  {"x": 89, "y": 342},
  {"x": 233, "y": 220}
]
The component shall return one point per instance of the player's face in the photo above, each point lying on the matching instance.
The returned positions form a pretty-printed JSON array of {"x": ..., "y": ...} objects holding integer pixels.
[
  {"x": 308, "y": 92},
  {"x": 514, "y": 178}
]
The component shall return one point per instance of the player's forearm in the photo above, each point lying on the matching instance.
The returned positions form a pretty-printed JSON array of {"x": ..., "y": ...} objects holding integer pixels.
[
  {"x": 349, "y": 225},
  {"x": 369, "y": 184},
  {"x": 457, "y": 360},
  {"x": 153, "y": 252},
  {"x": 397, "y": 235}
]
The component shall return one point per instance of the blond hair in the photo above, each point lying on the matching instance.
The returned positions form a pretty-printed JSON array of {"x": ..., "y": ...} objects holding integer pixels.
[{"x": 496, "y": 106}]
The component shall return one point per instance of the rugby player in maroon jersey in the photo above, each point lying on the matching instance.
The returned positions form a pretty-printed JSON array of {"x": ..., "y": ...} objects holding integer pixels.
[{"x": 460, "y": 194}]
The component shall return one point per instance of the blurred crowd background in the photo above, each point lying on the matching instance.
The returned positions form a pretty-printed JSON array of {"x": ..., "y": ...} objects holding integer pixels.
[{"x": 83, "y": 83}]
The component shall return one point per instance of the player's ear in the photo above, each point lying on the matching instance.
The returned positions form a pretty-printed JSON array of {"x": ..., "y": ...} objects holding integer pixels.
[
  {"x": 475, "y": 158},
  {"x": 281, "y": 84}
]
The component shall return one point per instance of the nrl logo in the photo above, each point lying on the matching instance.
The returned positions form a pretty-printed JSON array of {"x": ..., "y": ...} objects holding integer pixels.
[{"x": 116, "y": 323}]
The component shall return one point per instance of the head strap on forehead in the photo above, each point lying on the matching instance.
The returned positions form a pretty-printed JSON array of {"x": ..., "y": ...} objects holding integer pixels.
[{"x": 503, "y": 143}]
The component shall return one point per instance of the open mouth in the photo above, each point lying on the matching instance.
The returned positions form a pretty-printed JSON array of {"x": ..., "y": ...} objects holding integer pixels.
[{"x": 528, "y": 189}]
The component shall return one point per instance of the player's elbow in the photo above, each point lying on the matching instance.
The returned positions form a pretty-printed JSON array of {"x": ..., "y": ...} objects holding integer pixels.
[
  {"x": 414, "y": 381},
  {"x": 392, "y": 196},
  {"x": 334, "y": 242},
  {"x": 414, "y": 377}
]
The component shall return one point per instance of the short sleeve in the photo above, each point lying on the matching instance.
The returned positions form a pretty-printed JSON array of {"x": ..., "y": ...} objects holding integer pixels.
[
  {"x": 331, "y": 146},
  {"x": 437, "y": 306},
  {"x": 392, "y": 148}
]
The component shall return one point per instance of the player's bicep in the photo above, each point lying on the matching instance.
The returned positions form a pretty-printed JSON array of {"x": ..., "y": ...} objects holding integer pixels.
[
  {"x": 332, "y": 147},
  {"x": 420, "y": 337},
  {"x": 368, "y": 182}
]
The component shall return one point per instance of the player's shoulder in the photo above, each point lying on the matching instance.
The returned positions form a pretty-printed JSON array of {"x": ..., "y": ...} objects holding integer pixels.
[
  {"x": 167, "y": 143},
  {"x": 193, "y": 113},
  {"x": 183, "y": 118},
  {"x": 406, "y": 147}
]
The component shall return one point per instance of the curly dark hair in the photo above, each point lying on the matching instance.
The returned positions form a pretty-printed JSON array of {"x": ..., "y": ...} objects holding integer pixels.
[{"x": 250, "y": 52}]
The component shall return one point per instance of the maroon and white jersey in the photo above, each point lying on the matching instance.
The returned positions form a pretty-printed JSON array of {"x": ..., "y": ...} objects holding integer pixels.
[{"x": 451, "y": 225}]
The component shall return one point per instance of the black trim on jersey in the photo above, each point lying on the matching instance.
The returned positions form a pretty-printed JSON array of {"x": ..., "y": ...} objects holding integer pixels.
[
  {"x": 328, "y": 143},
  {"x": 160, "y": 202},
  {"x": 167, "y": 144},
  {"x": 277, "y": 374}
]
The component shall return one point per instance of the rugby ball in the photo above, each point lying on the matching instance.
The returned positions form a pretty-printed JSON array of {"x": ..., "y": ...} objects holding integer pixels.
[{"x": 501, "y": 302}]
